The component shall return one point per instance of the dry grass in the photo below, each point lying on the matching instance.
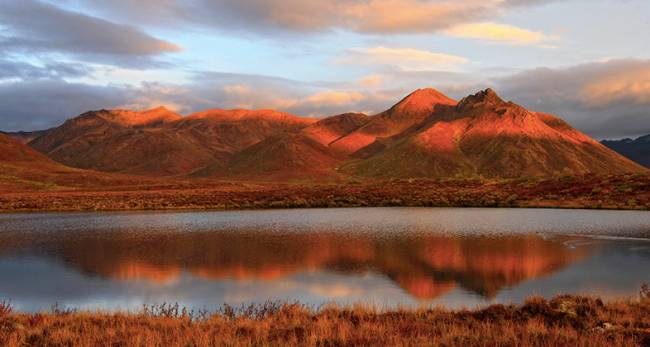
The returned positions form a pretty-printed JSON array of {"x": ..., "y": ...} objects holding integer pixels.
[
  {"x": 610, "y": 192},
  {"x": 562, "y": 321}
]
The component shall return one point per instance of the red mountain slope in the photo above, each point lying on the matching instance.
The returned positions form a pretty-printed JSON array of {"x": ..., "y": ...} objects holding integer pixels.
[
  {"x": 23, "y": 168},
  {"x": 483, "y": 135},
  {"x": 424, "y": 135},
  {"x": 159, "y": 142},
  {"x": 409, "y": 112},
  {"x": 12, "y": 151},
  {"x": 304, "y": 154},
  {"x": 289, "y": 156},
  {"x": 331, "y": 129},
  {"x": 233, "y": 130}
]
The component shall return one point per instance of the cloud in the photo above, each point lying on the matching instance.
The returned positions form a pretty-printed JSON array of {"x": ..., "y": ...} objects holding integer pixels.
[
  {"x": 335, "y": 98},
  {"x": 313, "y": 99},
  {"x": 497, "y": 33},
  {"x": 398, "y": 82},
  {"x": 53, "y": 101},
  {"x": 371, "y": 81},
  {"x": 248, "y": 96},
  {"x": 608, "y": 99},
  {"x": 268, "y": 16},
  {"x": 403, "y": 58},
  {"x": 623, "y": 82},
  {"x": 45, "y": 103},
  {"x": 605, "y": 99},
  {"x": 35, "y": 27},
  {"x": 152, "y": 95},
  {"x": 398, "y": 16},
  {"x": 527, "y": 2},
  {"x": 12, "y": 70}
]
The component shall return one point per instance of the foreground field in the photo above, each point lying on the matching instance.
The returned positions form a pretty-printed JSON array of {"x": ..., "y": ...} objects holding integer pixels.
[
  {"x": 611, "y": 192},
  {"x": 562, "y": 321}
]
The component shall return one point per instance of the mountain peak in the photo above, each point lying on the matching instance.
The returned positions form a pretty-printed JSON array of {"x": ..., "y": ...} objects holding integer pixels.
[
  {"x": 425, "y": 98},
  {"x": 420, "y": 103},
  {"x": 483, "y": 97}
]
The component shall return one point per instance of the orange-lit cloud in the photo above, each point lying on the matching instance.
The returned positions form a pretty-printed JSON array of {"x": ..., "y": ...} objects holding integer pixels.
[
  {"x": 334, "y": 98},
  {"x": 245, "y": 96},
  {"x": 371, "y": 81},
  {"x": 363, "y": 16},
  {"x": 497, "y": 33},
  {"x": 605, "y": 99},
  {"x": 394, "y": 16},
  {"x": 625, "y": 85},
  {"x": 256, "y": 97},
  {"x": 403, "y": 58}
]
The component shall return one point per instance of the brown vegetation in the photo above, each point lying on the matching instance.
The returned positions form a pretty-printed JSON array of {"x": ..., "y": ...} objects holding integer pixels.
[
  {"x": 562, "y": 321},
  {"x": 630, "y": 191}
]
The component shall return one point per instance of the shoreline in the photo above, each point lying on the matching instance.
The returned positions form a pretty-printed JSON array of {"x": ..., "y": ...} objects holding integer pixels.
[
  {"x": 562, "y": 320},
  {"x": 210, "y": 209}
]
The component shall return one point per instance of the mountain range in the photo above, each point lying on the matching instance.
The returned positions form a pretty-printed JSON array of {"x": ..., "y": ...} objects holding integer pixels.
[
  {"x": 636, "y": 149},
  {"x": 426, "y": 134}
]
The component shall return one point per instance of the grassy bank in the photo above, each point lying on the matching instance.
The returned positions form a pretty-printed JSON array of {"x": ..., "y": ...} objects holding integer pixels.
[
  {"x": 598, "y": 192},
  {"x": 562, "y": 321}
]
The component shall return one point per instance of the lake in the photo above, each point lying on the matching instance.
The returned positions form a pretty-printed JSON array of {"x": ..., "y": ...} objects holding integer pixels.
[{"x": 387, "y": 257}]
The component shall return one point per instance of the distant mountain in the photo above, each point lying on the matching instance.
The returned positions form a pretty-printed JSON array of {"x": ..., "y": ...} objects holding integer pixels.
[
  {"x": 637, "y": 149},
  {"x": 426, "y": 134},
  {"x": 25, "y": 136}
]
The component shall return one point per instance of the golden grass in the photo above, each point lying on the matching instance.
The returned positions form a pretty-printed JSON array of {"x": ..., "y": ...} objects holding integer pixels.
[{"x": 562, "y": 321}]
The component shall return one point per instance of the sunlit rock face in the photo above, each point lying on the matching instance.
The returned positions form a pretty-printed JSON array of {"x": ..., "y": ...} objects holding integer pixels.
[
  {"x": 487, "y": 136},
  {"x": 409, "y": 112},
  {"x": 424, "y": 266},
  {"x": 424, "y": 135}
]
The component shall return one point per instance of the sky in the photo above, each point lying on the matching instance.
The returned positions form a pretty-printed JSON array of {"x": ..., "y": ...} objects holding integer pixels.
[{"x": 586, "y": 61}]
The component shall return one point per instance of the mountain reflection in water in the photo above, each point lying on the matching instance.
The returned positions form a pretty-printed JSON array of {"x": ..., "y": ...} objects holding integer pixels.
[
  {"x": 425, "y": 266},
  {"x": 386, "y": 257}
]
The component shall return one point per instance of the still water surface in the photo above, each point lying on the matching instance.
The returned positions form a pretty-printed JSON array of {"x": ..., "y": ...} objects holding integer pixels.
[{"x": 386, "y": 257}]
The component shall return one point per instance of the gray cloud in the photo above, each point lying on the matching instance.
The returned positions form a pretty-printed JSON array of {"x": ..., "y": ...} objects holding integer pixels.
[
  {"x": 603, "y": 99},
  {"x": 35, "y": 27},
  {"x": 42, "y": 104},
  {"x": 12, "y": 69}
]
